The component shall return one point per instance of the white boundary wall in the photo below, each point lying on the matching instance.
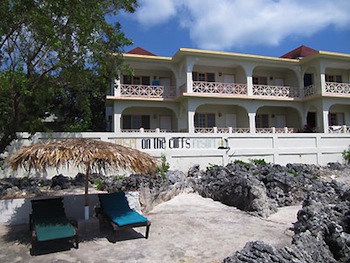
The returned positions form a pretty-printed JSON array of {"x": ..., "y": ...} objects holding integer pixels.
[
  {"x": 16, "y": 211},
  {"x": 183, "y": 150}
]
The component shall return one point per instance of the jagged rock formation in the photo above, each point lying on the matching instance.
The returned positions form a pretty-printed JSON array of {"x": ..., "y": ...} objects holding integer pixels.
[{"x": 322, "y": 232}]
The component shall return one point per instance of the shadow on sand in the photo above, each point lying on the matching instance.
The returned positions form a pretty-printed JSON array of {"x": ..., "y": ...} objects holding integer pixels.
[{"x": 21, "y": 234}]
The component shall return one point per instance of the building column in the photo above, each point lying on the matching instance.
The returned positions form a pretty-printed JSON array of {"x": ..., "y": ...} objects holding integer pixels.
[
  {"x": 248, "y": 69},
  {"x": 191, "y": 111},
  {"x": 191, "y": 121},
  {"x": 325, "y": 121},
  {"x": 117, "y": 116},
  {"x": 250, "y": 85},
  {"x": 252, "y": 122},
  {"x": 190, "y": 62},
  {"x": 323, "y": 78}
]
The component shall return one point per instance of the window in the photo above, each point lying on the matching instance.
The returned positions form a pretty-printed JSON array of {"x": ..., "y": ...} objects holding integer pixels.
[
  {"x": 204, "y": 120},
  {"x": 262, "y": 121},
  {"x": 199, "y": 76},
  {"x": 136, "y": 121},
  {"x": 259, "y": 80},
  {"x": 336, "y": 118},
  {"x": 136, "y": 80},
  {"x": 333, "y": 78}
]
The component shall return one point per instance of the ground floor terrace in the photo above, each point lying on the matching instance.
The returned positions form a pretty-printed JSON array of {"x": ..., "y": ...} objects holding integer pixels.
[{"x": 218, "y": 115}]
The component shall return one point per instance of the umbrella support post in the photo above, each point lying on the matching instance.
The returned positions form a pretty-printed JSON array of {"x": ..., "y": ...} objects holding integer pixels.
[{"x": 86, "y": 212}]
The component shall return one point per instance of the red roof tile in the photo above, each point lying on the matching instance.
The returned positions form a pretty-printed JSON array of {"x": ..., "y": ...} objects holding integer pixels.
[
  {"x": 141, "y": 51},
  {"x": 299, "y": 52}
]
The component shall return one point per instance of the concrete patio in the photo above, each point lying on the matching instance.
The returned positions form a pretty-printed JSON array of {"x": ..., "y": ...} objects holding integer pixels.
[{"x": 187, "y": 228}]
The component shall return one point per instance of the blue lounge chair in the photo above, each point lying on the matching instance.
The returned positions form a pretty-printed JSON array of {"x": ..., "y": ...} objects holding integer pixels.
[
  {"x": 116, "y": 210},
  {"x": 48, "y": 221}
]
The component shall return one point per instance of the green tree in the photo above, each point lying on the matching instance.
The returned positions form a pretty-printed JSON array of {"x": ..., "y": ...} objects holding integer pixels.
[{"x": 55, "y": 57}]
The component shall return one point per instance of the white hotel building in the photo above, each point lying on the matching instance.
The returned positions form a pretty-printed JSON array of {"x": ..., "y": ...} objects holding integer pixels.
[
  {"x": 200, "y": 91},
  {"x": 211, "y": 107}
]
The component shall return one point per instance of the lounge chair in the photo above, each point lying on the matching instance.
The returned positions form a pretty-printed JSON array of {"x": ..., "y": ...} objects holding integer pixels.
[
  {"x": 48, "y": 221},
  {"x": 116, "y": 210}
]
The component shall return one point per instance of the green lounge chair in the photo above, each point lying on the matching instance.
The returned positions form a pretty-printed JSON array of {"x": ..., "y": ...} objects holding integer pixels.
[
  {"x": 48, "y": 221},
  {"x": 116, "y": 210}
]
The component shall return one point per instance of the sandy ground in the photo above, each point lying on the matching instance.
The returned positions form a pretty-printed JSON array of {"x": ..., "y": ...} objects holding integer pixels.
[{"x": 187, "y": 228}]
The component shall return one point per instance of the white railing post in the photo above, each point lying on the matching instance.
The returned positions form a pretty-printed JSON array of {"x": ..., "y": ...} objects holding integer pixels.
[
  {"x": 116, "y": 88},
  {"x": 344, "y": 129}
]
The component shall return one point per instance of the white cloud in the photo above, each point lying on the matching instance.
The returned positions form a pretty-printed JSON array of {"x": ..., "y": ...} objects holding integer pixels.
[
  {"x": 154, "y": 12},
  {"x": 223, "y": 24}
]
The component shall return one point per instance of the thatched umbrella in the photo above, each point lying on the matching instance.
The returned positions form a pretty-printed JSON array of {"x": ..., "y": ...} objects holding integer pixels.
[{"x": 88, "y": 154}]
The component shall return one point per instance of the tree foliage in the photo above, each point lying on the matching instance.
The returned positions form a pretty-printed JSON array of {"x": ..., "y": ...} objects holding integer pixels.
[{"x": 55, "y": 57}]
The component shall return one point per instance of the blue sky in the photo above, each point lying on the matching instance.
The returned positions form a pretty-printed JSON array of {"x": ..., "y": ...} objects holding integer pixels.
[{"x": 261, "y": 27}]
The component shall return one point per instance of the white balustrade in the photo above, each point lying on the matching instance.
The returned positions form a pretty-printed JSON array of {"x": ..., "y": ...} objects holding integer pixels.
[
  {"x": 219, "y": 88},
  {"x": 275, "y": 91},
  {"x": 147, "y": 91},
  {"x": 338, "y": 88}
]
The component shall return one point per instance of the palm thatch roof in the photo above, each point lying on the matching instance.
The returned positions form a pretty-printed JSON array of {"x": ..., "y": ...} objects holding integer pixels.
[{"x": 82, "y": 153}]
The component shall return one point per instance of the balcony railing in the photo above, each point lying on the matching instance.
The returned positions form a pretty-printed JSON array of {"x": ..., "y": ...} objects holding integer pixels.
[
  {"x": 276, "y": 130},
  {"x": 339, "y": 129},
  {"x": 142, "y": 130},
  {"x": 245, "y": 130},
  {"x": 309, "y": 90},
  {"x": 230, "y": 130},
  {"x": 219, "y": 88},
  {"x": 338, "y": 88},
  {"x": 151, "y": 91},
  {"x": 275, "y": 91},
  {"x": 148, "y": 91}
]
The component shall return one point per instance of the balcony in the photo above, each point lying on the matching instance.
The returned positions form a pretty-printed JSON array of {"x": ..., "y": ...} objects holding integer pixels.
[
  {"x": 219, "y": 88},
  {"x": 275, "y": 91},
  {"x": 202, "y": 87},
  {"x": 338, "y": 88},
  {"x": 147, "y": 91}
]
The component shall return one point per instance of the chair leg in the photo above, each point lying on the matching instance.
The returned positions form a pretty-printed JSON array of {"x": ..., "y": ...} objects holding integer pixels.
[
  {"x": 76, "y": 239},
  {"x": 147, "y": 231}
]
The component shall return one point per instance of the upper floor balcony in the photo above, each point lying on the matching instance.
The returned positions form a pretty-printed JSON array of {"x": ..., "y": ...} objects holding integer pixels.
[
  {"x": 219, "y": 88},
  {"x": 147, "y": 91}
]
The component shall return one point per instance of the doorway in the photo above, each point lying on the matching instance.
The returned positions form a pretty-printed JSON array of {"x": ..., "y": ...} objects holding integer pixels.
[{"x": 311, "y": 120}]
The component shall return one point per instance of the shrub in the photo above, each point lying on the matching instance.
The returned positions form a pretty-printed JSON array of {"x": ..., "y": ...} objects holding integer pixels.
[
  {"x": 346, "y": 156},
  {"x": 163, "y": 167},
  {"x": 258, "y": 162},
  {"x": 98, "y": 184},
  {"x": 245, "y": 164},
  {"x": 212, "y": 167}
]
